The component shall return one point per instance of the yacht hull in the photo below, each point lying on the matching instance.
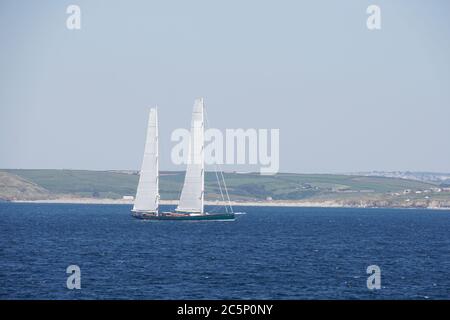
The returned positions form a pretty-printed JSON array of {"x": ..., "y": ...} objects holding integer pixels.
[{"x": 179, "y": 216}]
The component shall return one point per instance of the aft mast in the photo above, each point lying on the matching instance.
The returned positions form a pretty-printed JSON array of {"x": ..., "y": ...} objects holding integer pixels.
[
  {"x": 157, "y": 160},
  {"x": 202, "y": 156},
  {"x": 192, "y": 194}
]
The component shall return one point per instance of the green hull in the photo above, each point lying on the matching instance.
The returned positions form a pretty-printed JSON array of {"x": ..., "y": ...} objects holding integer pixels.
[{"x": 184, "y": 217}]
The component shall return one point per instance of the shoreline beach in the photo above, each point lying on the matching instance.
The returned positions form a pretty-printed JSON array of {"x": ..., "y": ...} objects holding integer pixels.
[{"x": 273, "y": 203}]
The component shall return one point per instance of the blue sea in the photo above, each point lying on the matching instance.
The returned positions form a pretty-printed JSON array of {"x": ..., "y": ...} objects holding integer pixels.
[{"x": 267, "y": 253}]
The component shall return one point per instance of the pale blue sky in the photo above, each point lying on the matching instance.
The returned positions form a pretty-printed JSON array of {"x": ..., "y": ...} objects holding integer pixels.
[{"x": 344, "y": 98}]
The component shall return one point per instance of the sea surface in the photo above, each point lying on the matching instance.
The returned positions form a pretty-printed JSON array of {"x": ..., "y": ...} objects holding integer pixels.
[{"x": 267, "y": 253}]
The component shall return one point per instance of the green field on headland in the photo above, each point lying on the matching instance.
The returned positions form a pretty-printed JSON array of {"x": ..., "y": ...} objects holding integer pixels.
[{"x": 344, "y": 190}]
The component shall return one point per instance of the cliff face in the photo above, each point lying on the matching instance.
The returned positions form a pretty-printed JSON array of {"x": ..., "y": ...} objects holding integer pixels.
[{"x": 13, "y": 187}]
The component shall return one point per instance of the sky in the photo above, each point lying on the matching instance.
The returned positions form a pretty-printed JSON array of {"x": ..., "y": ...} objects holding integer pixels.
[{"x": 344, "y": 98}]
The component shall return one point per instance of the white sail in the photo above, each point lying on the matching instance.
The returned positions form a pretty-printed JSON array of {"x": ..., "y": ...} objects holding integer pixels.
[
  {"x": 192, "y": 195},
  {"x": 147, "y": 195}
]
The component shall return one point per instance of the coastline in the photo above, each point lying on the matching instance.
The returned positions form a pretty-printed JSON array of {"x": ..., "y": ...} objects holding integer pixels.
[
  {"x": 175, "y": 202},
  {"x": 273, "y": 203}
]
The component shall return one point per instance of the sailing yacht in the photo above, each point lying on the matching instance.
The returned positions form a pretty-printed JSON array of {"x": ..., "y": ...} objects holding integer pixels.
[{"x": 191, "y": 205}]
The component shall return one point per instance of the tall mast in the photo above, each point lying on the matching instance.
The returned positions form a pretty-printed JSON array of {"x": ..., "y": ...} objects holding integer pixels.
[
  {"x": 192, "y": 194},
  {"x": 157, "y": 160},
  {"x": 203, "y": 156}
]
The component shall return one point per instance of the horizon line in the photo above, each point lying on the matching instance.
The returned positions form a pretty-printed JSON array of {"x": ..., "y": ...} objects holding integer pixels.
[{"x": 246, "y": 171}]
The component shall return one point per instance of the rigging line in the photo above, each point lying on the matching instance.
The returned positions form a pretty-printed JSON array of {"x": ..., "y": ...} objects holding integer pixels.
[
  {"x": 220, "y": 170},
  {"x": 216, "y": 165},
  {"x": 220, "y": 188},
  {"x": 226, "y": 191}
]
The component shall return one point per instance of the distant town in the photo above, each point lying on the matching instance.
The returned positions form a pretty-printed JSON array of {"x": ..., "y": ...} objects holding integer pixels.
[{"x": 440, "y": 178}]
